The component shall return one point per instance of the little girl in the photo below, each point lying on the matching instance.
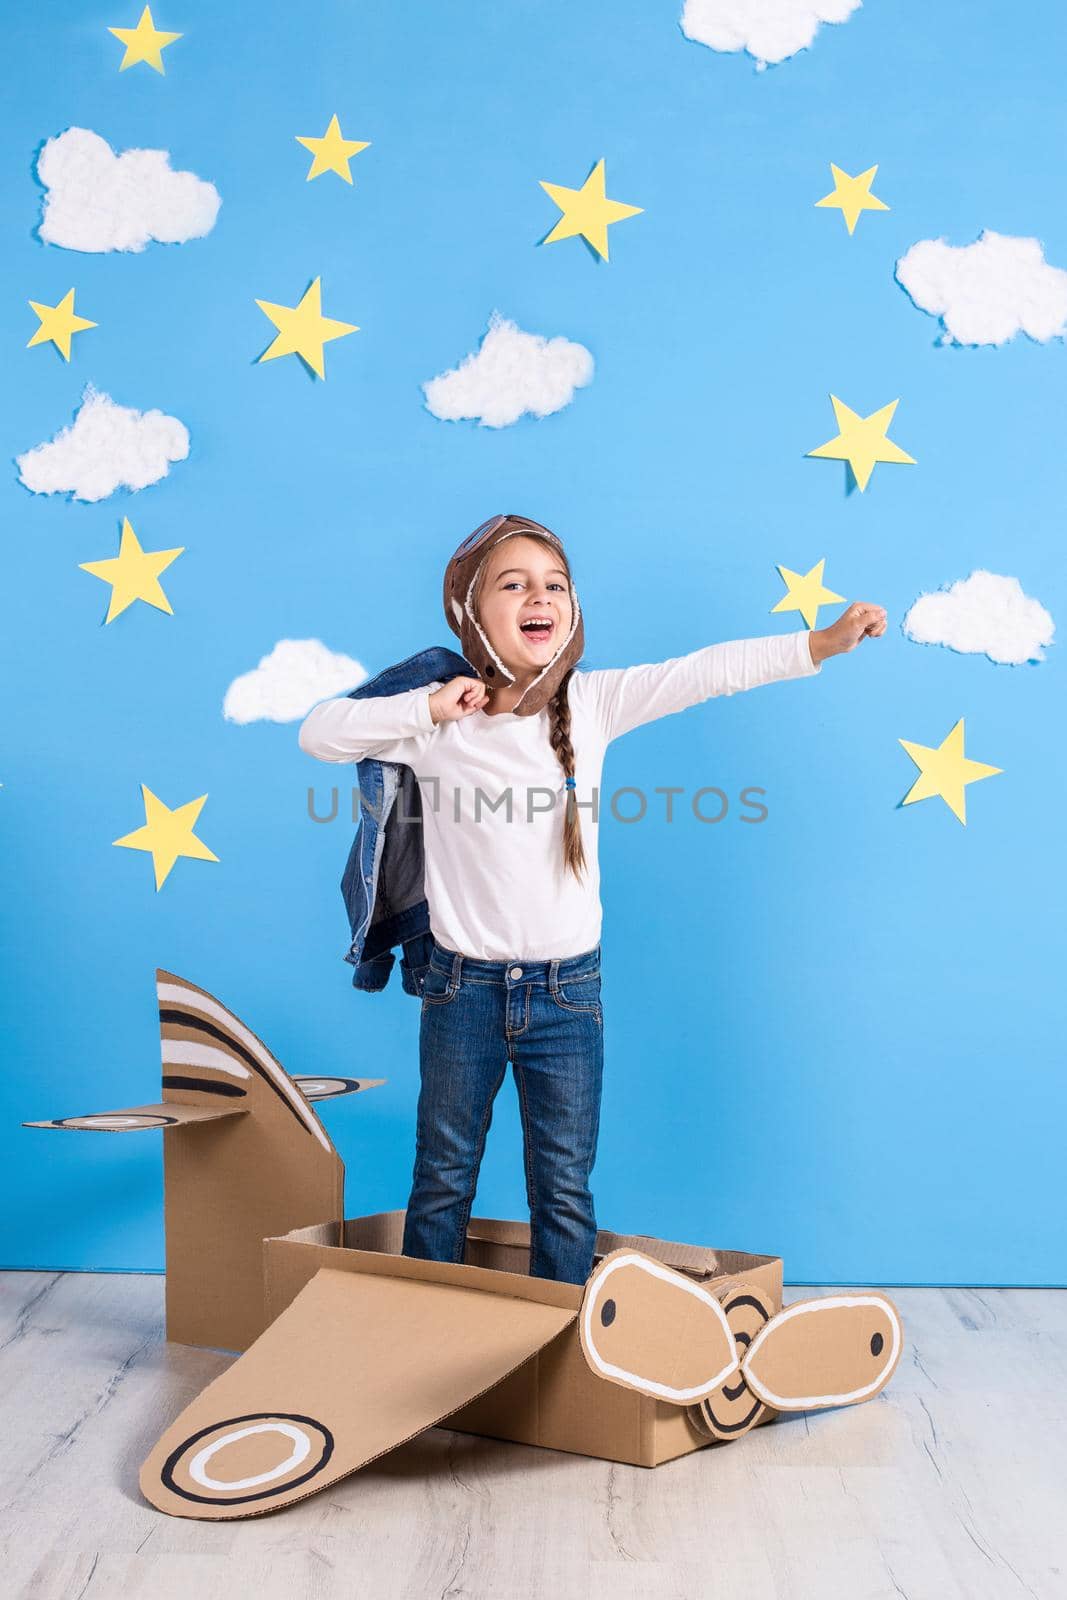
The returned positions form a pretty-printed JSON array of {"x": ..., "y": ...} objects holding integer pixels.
[{"x": 512, "y": 878}]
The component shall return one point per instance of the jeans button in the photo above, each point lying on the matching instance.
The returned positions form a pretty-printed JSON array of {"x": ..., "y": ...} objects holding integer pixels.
[{"x": 516, "y": 972}]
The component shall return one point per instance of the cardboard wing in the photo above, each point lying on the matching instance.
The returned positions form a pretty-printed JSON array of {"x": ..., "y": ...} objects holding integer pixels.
[
  {"x": 389, "y": 1357},
  {"x": 650, "y": 1328},
  {"x": 245, "y": 1157}
]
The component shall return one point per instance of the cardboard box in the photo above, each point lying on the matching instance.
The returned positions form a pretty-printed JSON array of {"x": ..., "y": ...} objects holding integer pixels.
[{"x": 554, "y": 1399}]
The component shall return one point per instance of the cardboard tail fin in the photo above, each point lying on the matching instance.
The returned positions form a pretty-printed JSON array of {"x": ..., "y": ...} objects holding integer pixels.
[
  {"x": 229, "y": 1187},
  {"x": 356, "y": 1365},
  {"x": 245, "y": 1157}
]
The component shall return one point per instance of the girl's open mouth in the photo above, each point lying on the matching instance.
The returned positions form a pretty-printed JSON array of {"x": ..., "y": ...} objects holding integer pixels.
[{"x": 538, "y": 629}]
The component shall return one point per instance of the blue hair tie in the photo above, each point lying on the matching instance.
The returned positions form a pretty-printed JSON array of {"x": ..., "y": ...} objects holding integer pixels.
[{"x": 570, "y": 783}]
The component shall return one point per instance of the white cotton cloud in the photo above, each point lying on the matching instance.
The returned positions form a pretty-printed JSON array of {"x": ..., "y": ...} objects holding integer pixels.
[
  {"x": 986, "y": 292},
  {"x": 512, "y": 373},
  {"x": 289, "y": 681},
  {"x": 985, "y": 614},
  {"x": 770, "y": 30},
  {"x": 106, "y": 447},
  {"x": 98, "y": 200}
]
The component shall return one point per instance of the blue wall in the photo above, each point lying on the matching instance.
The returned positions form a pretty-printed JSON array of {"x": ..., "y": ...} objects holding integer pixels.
[{"x": 838, "y": 1035}]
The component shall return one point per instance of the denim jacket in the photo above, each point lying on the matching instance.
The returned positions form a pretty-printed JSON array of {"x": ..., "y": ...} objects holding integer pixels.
[{"x": 383, "y": 884}]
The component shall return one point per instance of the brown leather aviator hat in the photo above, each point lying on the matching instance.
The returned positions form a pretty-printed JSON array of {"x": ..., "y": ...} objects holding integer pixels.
[{"x": 460, "y": 577}]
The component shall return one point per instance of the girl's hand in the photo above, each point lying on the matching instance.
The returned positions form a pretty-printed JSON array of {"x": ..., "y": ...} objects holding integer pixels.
[
  {"x": 457, "y": 698},
  {"x": 858, "y": 622}
]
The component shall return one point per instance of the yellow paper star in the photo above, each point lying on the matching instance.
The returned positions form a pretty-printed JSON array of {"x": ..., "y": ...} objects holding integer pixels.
[
  {"x": 332, "y": 153},
  {"x": 852, "y": 195},
  {"x": 587, "y": 210},
  {"x": 945, "y": 771},
  {"x": 805, "y": 593},
  {"x": 133, "y": 574},
  {"x": 58, "y": 323},
  {"x": 143, "y": 43},
  {"x": 167, "y": 834},
  {"x": 303, "y": 330},
  {"x": 861, "y": 441}
]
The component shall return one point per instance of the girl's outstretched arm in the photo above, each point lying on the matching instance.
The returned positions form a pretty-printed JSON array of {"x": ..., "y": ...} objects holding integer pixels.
[{"x": 624, "y": 698}]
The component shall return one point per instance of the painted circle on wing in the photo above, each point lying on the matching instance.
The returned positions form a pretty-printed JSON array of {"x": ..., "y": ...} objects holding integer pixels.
[
  {"x": 248, "y": 1458},
  {"x": 325, "y": 1088},
  {"x": 734, "y": 1409},
  {"x": 106, "y": 1122}
]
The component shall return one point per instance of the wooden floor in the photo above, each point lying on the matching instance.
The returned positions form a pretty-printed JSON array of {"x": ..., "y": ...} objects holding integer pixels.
[{"x": 952, "y": 1483}]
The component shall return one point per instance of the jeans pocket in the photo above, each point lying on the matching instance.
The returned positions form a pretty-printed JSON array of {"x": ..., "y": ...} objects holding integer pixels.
[
  {"x": 580, "y": 994},
  {"x": 438, "y": 988}
]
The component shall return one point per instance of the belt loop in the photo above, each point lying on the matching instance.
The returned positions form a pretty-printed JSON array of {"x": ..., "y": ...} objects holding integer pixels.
[
  {"x": 553, "y": 976},
  {"x": 457, "y": 969}
]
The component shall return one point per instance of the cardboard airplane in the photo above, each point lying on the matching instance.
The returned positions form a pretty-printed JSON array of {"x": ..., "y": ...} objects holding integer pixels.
[{"x": 666, "y": 1349}]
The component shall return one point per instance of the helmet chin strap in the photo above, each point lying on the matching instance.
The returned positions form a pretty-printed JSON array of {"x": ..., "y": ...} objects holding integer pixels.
[
  {"x": 464, "y": 612},
  {"x": 483, "y": 636},
  {"x": 576, "y": 612}
]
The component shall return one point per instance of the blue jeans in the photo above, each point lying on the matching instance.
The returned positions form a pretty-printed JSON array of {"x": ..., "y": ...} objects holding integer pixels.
[{"x": 546, "y": 1017}]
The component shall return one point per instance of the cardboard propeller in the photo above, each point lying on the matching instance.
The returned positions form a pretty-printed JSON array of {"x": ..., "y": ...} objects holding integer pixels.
[
  {"x": 650, "y": 1328},
  {"x": 392, "y": 1357},
  {"x": 244, "y": 1157}
]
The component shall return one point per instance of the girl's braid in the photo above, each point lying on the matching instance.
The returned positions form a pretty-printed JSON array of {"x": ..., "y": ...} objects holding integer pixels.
[{"x": 559, "y": 723}]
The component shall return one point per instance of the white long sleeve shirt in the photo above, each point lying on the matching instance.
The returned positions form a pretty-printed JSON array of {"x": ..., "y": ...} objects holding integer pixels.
[{"x": 493, "y": 791}]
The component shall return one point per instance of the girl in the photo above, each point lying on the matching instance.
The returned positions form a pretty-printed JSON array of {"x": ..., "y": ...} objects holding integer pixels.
[{"x": 512, "y": 879}]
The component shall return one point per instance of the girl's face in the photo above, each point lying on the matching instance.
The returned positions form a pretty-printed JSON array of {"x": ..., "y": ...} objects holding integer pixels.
[{"x": 525, "y": 604}]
